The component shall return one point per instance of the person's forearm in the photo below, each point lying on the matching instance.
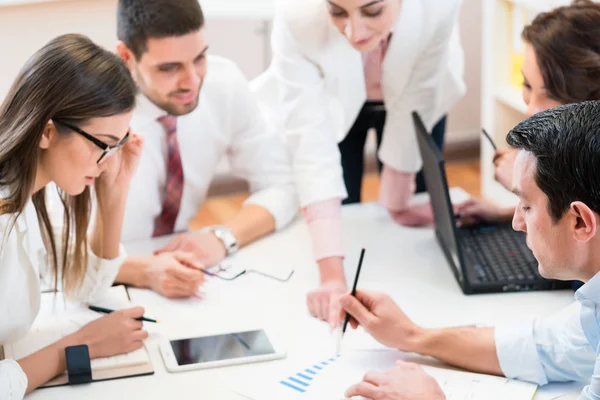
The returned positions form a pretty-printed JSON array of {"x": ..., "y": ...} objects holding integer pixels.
[
  {"x": 324, "y": 222},
  {"x": 251, "y": 223},
  {"x": 133, "y": 271},
  {"x": 469, "y": 348},
  {"x": 396, "y": 189},
  {"x": 43, "y": 365},
  {"x": 106, "y": 235},
  {"x": 331, "y": 269}
]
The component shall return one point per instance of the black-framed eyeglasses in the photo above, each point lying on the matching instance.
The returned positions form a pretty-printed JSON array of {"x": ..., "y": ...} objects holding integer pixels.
[
  {"x": 107, "y": 149},
  {"x": 216, "y": 271}
]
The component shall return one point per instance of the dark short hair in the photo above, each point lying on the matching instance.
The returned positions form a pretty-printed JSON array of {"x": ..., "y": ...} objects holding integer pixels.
[
  {"x": 566, "y": 41},
  {"x": 566, "y": 144},
  {"x": 139, "y": 20}
]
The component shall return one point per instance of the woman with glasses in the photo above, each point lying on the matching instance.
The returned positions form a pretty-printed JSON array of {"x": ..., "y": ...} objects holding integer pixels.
[
  {"x": 340, "y": 68},
  {"x": 63, "y": 122}
]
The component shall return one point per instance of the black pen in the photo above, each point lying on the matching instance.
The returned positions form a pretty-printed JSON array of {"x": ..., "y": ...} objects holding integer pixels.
[
  {"x": 489, "y": 138},
  {"x": 353, "y": 294},
  {"x": 108, "y": 311}
]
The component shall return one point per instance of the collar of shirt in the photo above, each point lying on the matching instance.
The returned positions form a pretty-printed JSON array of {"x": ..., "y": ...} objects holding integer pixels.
[
  {"x": 589, "y": 297},
  {"x": 146, "y": 111}
]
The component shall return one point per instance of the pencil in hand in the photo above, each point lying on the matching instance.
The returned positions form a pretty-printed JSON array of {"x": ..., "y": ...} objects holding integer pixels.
[
  {"x": 353, "y": 293},
  {"x": 108, "y": 311}
]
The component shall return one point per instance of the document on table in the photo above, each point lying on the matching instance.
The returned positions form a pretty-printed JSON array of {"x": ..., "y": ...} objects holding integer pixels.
[{"x": 329, "y": 378}]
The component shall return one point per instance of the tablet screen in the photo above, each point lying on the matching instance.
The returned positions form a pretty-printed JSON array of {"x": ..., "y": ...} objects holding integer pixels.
[{"x": 221, "y": 347}]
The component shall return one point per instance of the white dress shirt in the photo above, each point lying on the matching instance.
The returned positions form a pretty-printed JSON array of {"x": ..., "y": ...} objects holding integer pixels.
[
  {"x": 226, "y": 123},
  {"x": 22, "y": 264},
  {"x": 559, "y": 348}
]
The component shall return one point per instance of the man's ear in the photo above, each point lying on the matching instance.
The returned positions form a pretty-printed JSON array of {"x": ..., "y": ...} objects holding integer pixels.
[
  {"x": 47, "y": 135},
  {"x": 125, "y": 53},
  {"x": 584, "y": 222}
]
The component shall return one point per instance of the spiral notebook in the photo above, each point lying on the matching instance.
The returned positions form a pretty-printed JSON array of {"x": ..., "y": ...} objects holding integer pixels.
[{"x": 58, "y": 318}]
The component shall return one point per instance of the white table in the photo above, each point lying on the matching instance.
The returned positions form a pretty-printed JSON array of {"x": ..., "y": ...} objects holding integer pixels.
[{"x": 406, "y": 263}]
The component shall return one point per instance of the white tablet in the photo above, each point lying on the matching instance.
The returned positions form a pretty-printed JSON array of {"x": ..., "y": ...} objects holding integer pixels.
[{"x": 219, "y": 350}]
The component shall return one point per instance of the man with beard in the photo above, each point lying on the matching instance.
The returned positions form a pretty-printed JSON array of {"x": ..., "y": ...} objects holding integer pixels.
[{"x": 193, "y": 109}]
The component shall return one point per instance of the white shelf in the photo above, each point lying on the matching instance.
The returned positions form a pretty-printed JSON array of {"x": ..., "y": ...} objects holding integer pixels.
[{"x": 511, "y": 97}]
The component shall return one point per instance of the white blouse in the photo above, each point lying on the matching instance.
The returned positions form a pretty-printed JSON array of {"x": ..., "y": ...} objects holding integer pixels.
[{"x": 22, "y": 265}]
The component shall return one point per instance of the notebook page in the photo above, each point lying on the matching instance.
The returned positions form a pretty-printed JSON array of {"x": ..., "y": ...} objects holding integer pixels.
[{"x": 59, "y": 318}]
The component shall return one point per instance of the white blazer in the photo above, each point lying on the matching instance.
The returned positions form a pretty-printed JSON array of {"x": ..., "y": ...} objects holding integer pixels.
[
  {"x": 315, "y": 86},
  {"x": 22, "y": 265}
]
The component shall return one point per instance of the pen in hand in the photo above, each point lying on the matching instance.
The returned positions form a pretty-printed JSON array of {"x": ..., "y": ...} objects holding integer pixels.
[
  {"x": 108, "y": 311},
  {"x": 353, "y": 293}
]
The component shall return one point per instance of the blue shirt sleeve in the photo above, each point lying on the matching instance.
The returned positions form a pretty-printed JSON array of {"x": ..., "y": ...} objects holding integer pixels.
[
  {"x": 550, "y": 349},
  {"x": 592, "y": 391}
]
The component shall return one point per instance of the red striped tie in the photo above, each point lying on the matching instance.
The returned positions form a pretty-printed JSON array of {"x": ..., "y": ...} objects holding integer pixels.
[{"x": 165, "y": 222}]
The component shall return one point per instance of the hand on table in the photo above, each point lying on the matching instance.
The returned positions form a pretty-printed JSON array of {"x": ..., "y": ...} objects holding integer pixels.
[
  {"x": 406, "y": 381},
  {"x": 116, "y": 333},
  {"x": 323, "y": 302},
  {"x": 417, "y": 215},
  {"x": 175, "y": 274},
  {"x": 206, "y": 247},
  {"x": 474, "y": 211}
]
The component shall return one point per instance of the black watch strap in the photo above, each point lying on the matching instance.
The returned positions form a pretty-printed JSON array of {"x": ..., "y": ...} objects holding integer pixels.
[{"x": 79, "y": 367}]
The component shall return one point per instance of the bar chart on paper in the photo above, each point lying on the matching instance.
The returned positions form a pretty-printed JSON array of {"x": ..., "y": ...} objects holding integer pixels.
[
  {"x": 330, "y": 378},
  {"x": 300, "y": 382}
]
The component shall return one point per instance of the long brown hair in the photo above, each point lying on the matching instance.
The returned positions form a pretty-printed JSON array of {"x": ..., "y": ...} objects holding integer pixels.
[
  {"x": 70, "y": 79},
  {"x": 566, "y": 41}
]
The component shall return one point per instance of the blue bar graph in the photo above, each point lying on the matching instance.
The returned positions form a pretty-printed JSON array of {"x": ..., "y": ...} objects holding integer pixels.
[
  {"x": 301, "y": 381},
  {"x": 296, "y": 388},
  {"x": 305, "y": 377}
]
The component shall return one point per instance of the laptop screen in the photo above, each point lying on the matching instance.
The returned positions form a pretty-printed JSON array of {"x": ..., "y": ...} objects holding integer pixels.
[{"x": 434, "y": 173}]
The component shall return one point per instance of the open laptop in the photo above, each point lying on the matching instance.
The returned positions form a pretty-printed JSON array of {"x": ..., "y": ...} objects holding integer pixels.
[{"x": 484, "y": 258}]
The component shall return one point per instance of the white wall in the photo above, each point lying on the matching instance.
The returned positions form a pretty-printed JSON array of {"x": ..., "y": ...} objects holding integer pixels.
[
  {"x": 27, "y": 27},
  {"x": 465, "y": 118}
]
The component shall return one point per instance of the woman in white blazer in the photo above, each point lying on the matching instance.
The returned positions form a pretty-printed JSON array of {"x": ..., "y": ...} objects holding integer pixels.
[
  {"x": 63, "y": 121},
  {"x": 339, "y": 68}
]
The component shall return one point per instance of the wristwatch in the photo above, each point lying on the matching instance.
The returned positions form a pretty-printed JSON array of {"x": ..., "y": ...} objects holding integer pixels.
[{"x": 226, "y": 237}]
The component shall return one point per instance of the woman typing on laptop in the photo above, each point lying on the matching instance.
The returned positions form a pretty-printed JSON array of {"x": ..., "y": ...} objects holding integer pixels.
[
  {"x": 561, "y": 66},
  {"x": 64, "y": 121}
]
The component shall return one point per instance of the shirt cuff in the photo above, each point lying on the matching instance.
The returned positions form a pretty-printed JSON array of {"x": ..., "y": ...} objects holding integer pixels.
[
  {"x": 281, "y": 202},
  {"x": 325, "y": 225},
  {"x": 100, "y": 275},
  {"x": 396, "y": 188},
  {"x": 13, "y": 380},
  {"x": 588, "y": 394},
  {"x": 517, "y": 352}
]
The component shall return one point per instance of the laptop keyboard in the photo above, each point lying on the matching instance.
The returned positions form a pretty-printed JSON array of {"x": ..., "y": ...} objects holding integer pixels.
[{"x": 497, "y": 253}]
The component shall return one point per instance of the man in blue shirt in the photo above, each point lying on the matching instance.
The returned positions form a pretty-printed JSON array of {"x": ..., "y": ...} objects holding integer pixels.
[{"x": 557, "y": 179}]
